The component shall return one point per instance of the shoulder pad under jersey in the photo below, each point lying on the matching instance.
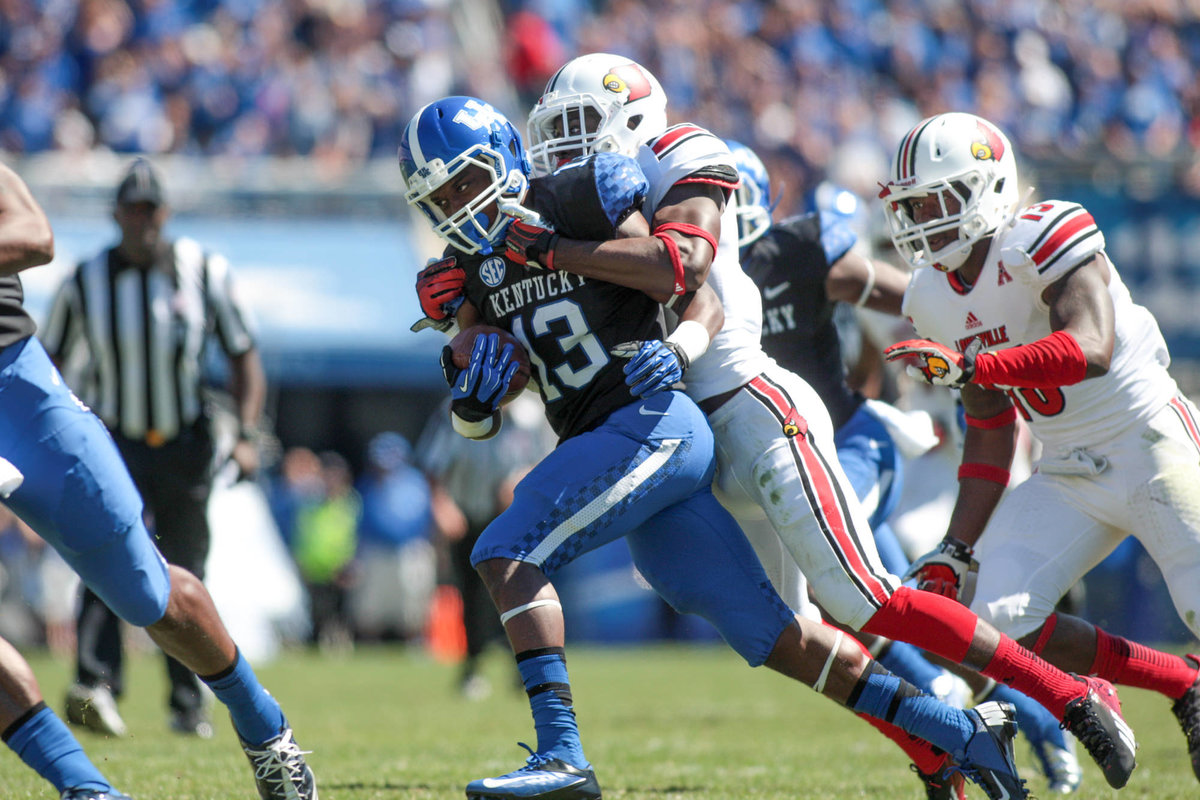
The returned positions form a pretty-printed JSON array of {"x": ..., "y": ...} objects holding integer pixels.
[
  {"x": 686, "y": 154},
  {"x": 1047, "y": 240}
]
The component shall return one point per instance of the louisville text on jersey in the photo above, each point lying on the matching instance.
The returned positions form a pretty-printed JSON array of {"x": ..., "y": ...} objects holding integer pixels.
[{"x": 990, "y": 338}]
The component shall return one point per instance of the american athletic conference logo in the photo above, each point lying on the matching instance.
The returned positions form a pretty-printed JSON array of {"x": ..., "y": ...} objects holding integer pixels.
[{"x": 492, "y": 271}]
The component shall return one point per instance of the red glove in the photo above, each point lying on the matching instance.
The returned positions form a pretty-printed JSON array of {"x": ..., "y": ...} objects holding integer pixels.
[
  {"x": 439, "y": 285},
  {"x": 530, "y": 244}
]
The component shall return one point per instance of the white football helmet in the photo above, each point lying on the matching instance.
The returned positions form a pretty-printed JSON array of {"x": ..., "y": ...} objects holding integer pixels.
[
  {"x": 598, "y": 103},
  {"x": 950, "y": 155}
]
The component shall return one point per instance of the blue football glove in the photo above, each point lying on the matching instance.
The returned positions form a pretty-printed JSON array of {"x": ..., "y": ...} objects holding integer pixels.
[
  {"x": 476, "y": 392},
  {"x": 654, "y": 366}
]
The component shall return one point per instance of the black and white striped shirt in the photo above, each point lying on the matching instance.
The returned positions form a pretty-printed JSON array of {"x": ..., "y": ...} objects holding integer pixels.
[{"x": 140, "y": 334}]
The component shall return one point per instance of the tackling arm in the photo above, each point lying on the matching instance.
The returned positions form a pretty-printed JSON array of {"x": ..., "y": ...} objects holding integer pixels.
[
  {"x": 667, "y": 261},
  {"x": 26, "y": 239}
]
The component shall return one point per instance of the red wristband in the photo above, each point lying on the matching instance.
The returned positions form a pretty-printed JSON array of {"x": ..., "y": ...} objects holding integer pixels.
[
  {"x": 1006, "y": 417},
  {"x": 676, "y": 260},
  {"x": 987, "y": 472},
  {"x": 1050, "y": 362}
]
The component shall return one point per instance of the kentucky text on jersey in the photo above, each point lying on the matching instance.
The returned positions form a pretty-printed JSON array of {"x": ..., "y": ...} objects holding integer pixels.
[
  {"x": 508, "y": 299},
  {"x": 778, "y": 320},
  {"x": 990, "y": 338}
]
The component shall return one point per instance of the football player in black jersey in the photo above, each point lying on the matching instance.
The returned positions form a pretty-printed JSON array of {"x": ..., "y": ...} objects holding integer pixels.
[
  {"x": 635, "y": 458},
  {"x": 77, "y": 494},
  {"x": 805, "y": 266}
]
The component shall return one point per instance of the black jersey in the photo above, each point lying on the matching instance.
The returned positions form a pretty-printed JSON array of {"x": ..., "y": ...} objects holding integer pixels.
[
  {"x": 790, "y": 265},
  {"x": 15, "y": 322},
  {"x": 569, "y": 323}
]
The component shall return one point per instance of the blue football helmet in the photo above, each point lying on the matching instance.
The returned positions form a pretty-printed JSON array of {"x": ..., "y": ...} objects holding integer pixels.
[
  {"x": 753, "y": 194},
  {"x": 444, "y": 138}
]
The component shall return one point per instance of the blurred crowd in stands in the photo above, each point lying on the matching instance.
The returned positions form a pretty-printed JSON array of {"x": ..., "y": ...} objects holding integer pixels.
[{"x": 821, "y": 87}]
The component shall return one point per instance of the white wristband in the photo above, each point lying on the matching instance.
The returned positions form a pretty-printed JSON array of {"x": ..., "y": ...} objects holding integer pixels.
[
  {"x": 869, "y": 285},
  {"x": 474, "y": 430},
  {"x": 692, "y": 338}
]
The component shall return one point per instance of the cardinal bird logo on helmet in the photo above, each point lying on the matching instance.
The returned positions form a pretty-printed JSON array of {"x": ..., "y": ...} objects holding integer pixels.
[
  {"x": 627, "y": 76},
  {"x": 992, "y": 146}
]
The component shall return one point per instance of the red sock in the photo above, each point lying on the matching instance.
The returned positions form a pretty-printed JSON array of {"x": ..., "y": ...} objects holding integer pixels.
[
  {"x": 1131, "y": 664},
  {"x": 926, "y": 620},
  {"x": 946, "y": 627},
  {"x": 1015, "y": 666},
  {"x": 928, "y": 758}
]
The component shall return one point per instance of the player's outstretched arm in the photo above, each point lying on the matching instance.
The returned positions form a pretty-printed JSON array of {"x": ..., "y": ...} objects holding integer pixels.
[{"x": 26, "y": 239}]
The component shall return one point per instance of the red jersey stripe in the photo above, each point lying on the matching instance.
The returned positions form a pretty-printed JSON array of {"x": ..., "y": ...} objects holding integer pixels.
[
  {"x": 1069, "y": 228},
  {"x": 672, "y": 135}
]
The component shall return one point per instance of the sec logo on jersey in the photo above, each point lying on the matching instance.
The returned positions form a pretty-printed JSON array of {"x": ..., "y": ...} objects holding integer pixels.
[{"x": 492, "y": 271}]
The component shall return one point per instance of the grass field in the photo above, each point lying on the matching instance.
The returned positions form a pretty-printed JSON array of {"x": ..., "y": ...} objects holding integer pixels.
[{"x": 663, "y": 723}]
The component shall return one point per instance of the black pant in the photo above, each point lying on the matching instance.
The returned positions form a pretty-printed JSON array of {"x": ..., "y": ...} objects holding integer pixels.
[{"x": 175, "y": 481}]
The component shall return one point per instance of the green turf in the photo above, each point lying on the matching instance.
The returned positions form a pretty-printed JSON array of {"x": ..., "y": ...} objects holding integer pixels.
[{"x": 662, "y": 723}]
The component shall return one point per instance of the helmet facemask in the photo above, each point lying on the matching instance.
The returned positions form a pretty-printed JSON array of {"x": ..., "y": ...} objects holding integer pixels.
[
  {"x": 959, "y": 198},
  {"x": 570, "y": 127}
]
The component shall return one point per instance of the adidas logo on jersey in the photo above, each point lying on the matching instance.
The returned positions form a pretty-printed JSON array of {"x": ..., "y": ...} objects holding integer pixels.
[{"x": 973, "y": 321}]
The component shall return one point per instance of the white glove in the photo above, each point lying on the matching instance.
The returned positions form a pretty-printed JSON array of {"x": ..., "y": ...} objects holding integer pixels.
[{"x": 949, "y": 570}]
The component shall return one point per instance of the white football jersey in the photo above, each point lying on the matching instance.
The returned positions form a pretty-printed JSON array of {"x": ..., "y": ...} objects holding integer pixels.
[
  {"x": 683, "y": 153},
  {"x": 1005, "y": 309}
]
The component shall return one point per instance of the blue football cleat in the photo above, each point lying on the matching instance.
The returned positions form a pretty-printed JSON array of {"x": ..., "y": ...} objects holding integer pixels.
[
  {"x": 542, "y": 778},
  {"x": 92, "y": 794},
  {"x": 1053, "y": 747},
  {"x": 988, "y": 758}
]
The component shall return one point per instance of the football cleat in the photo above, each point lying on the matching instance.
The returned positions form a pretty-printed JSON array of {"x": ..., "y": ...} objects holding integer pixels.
[
  {"x": 1187, "y": 711},
  {"x": 280, "y": 771},
  {"x": 988, "y": 759},
  {"x": 1096, "y": 721},
  {"x": 1059, "y": 764},
  {"x": 95, "y": 708},
  {"x": 944, "y": 783},
  {"x": 92, "y": 794},
  {"x": 542, "y": 778}
]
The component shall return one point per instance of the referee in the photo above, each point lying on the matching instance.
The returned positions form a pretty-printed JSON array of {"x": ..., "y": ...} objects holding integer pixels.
[{"x": 136, "y": 319}]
